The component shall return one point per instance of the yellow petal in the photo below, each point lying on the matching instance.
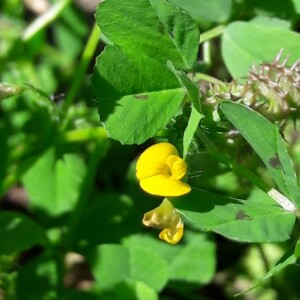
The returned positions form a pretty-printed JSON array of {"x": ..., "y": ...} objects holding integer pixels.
[
  {"x": 153, "y": 161},
  {"x": 167, "y": 218},
  {"x": 163, "y": 185},
  {"x": 172, "y": 236},
  {"x": 177, "y": 166},
  {"x": 163, "y": 216}
]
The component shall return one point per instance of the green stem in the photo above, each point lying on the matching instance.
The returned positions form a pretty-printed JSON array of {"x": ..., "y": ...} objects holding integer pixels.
[
  {"x": 207, "y": 53},
  {"x": 205, "y": 77},
  {"x": 212, "y": 33},
  {"x": 45, "y": 19},
  {"x": 241, "y": 170},
  {"x": 283, "y": 201},
  {"x": 86, "y": 58},
  {"x": 263, "y": 257}
]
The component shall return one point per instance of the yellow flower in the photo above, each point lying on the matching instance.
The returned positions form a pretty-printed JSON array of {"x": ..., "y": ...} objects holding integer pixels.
[
  {"x": 167, "y": 218},
  {"x": 160, "y": 170}
]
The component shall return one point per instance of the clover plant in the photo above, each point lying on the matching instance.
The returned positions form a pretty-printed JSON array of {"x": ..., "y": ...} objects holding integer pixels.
[{"x": 182, "y": 116}]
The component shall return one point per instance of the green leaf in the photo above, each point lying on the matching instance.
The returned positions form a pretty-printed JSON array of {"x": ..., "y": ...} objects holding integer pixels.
[
  {"x": 131, "y": 289},
  {"x": 195, "y": 262},
  {"x": 152, "y": 27},
  {"x": 152, "y": 92},
  {"x": 53, "y": 185},
  {"x": 297, "y": 5},
  {"x": 119, "y": 217},
  {"x": 148, "y": 267},
  {"x": 281, "y": 9},
  {"x": 190, "y": 130},
  {"x": 213, "y": 10},
  {"x": 18, "y": 232},
  {"x": 110, "y": 265},
  {"x": 191, "y": 88},
  {"x": 134, "y": 75},
  {"x": 141, "y": 291},
  {"x": 252, "y": 43},
  {"x": 192, "y": 260},
  {"x": 241, "y": 220},
  {"x": 113, "y": 264},
  {"x": 288, "y": 259},
  {"x": 43, "y": 271},
  {"x": 272, "y": 22},
  {"x": 152, "y": 243},
  {"x": 264, "y": 137},
  {"x": 131, "y": 78}
]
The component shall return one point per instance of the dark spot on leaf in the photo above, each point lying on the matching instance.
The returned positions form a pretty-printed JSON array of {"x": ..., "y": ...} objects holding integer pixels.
[
  {"x": 141, "y": 97},
  {"x": 241, "y": 215},
  {"x": 275, "y": 162},
  {"x": 171, "y": 34}
]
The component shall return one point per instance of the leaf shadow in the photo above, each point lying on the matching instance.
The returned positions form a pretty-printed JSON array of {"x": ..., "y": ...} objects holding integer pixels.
[
  {"x": 107, "y": 95},
  {"x": 202, "y": 201}
]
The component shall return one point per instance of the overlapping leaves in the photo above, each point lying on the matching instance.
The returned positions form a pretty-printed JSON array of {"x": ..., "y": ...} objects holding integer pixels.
[{"x": 131, "y": 80}]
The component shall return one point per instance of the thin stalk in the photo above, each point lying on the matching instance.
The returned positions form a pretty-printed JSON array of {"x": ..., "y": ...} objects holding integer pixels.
[
  {"x": 265, "y": 261},
  {"x": 205, "y": 77},
  {"x": 283, "y": 201},
  {"x": 212, "y": 33},
  {"x": 45, "y": 19},
  {"x": 207, "y": 53},
  {"x": 263, "y": 257},
  {"x": 241, "y": 170},
  {"x": 86, "y": 58}
]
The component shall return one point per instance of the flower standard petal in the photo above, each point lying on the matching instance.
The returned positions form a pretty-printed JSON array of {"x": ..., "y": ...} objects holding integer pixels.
[
  {"x": 153, "y": 160},
  {"x": 160, "y": 170}
]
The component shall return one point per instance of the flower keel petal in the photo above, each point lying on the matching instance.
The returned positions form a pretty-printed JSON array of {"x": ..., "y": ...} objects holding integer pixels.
[{"x": 172, "y": 236}]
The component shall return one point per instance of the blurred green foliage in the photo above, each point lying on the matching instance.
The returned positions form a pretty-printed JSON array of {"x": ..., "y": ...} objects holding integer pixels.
[{"x": 71, "y": 207}]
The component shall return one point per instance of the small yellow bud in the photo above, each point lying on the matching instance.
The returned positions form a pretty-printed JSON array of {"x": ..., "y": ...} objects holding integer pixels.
[{"x": 167, "y": 218}]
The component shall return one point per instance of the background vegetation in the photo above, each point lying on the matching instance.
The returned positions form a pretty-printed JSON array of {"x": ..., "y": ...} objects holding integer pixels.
[{"x": 84, "y": 90}]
